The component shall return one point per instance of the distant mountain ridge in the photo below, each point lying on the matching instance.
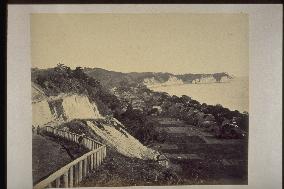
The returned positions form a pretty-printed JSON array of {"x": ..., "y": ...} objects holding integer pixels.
[{"x": 150, "y": 79}]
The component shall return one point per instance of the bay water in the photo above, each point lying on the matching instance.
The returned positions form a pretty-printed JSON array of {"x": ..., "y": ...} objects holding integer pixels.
[{"x": 233, "y": 94}]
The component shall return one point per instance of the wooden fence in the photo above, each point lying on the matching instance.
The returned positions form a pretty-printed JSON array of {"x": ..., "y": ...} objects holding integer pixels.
[{"x": 72, "y": 174}]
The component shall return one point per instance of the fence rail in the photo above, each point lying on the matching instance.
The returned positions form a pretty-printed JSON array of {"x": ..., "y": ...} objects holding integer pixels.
[{"x": 72, "y": 174}]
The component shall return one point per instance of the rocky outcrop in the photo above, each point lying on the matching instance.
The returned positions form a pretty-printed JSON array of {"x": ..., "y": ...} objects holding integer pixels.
[
  {"x": 41, "y": 113},
  {"x": 211, "y": 79},
  {"x": 114, "y": 135},
  {"x": 173, "y": 81},
  {"x": 225, "y": 79},
  {"x": 204, "y": 80},
  {"x": 112, "y": 79},
  {"x": 152, "y": 82},
  {"x": 63, "y": 107},
  {"x": 56, "y": 110}
]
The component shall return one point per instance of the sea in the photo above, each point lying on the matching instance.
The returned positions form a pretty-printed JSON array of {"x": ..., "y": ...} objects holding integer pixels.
[{"x": 233, "y": 95}]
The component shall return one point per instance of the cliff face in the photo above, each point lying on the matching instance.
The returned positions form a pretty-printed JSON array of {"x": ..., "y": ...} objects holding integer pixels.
[
  {"x": 64, "y": 108},
  {"x": 211, "y": 79},
  {"x": 152, "y": 82},
  {"x": 41, "y": 113},
  {"x": 114, "y": 135},
  {"x": 151, "y": 79}
]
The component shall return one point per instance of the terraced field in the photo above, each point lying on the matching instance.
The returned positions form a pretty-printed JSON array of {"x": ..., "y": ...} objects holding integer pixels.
[{"x": 199, "y": 157}]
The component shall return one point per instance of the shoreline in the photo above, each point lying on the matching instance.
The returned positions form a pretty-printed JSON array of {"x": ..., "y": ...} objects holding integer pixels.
[
  {"x": 161, "y": 85},
  {"x": 233, "y": 95}
]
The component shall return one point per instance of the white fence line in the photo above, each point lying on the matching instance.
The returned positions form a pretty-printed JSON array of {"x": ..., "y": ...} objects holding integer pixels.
[{"x": 72, "y": 174}]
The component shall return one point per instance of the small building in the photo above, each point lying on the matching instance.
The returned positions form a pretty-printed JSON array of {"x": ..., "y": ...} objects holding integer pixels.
[{"x": 163, "y": 160}]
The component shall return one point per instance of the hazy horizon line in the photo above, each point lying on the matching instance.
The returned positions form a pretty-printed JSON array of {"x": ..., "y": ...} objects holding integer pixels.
[{"x": 174, "y": 73}]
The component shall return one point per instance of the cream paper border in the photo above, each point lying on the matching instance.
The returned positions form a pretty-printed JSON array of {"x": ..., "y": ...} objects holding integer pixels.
[{"x": 265, "y": 39}]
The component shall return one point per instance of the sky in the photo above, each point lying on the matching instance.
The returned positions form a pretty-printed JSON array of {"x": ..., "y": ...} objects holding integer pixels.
[{"x": 174, "y": 43}]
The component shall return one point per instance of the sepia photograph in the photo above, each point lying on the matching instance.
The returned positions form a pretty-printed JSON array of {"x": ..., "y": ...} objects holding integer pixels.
[
  {"x": 144, "y": 96},
  {"x": 139, "y": 99}
]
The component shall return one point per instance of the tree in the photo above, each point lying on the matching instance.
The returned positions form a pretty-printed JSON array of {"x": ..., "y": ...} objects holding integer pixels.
[{"x": 79, "y": 73}]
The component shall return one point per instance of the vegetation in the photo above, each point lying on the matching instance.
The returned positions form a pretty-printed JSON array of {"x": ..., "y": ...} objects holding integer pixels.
[
  {"x": 62, "y": 79},
  {"x": 132, "y": 102},
  {"x": 118, "y": 170},
  {"x": 143, "y": 103},
  {"x": 124, "y": 97},
  {"x": 113, "y": 79}
]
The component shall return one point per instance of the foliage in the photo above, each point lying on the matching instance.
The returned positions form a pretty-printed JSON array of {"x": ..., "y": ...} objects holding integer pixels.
[
  {"x": 113, "y": 79},
  {"x": 62, "y": 79},
  {"x": 138, "y": 125},
  {"x": 138, "y": 99}
]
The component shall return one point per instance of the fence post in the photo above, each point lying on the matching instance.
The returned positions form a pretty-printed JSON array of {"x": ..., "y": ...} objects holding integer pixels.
[
  {"x": 75, "y": 173},
  {"x": 91, "y": 162},
  {"x": 71, "y": 177},
  {"x": 89, "y": 146},
  {"x": 84, "y": 167},
  {"x": 49, "y": 185},
  {"x": 65, "y": 180},
  {"x": 95, "y": 160},
  {"x": 76, "y": 179},
  {"x": 101, "y": 155},
  {"x": 80, "y": 171},
  {"x": 57, "y": 182},
  {"x": 98, "y": 158},
  {"x": 103, "y": 152}
]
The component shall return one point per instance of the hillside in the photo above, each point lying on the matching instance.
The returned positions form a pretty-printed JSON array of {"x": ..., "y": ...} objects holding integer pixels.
[
  {"x": 68, "y": 105},
  {"x": 121, "y": 111},
  {"x": 124, "y": 97},
  {"x": 113, "y": 79}
]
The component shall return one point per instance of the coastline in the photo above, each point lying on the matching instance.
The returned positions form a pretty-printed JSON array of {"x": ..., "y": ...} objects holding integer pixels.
[{"x": 233, "y": 94}]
